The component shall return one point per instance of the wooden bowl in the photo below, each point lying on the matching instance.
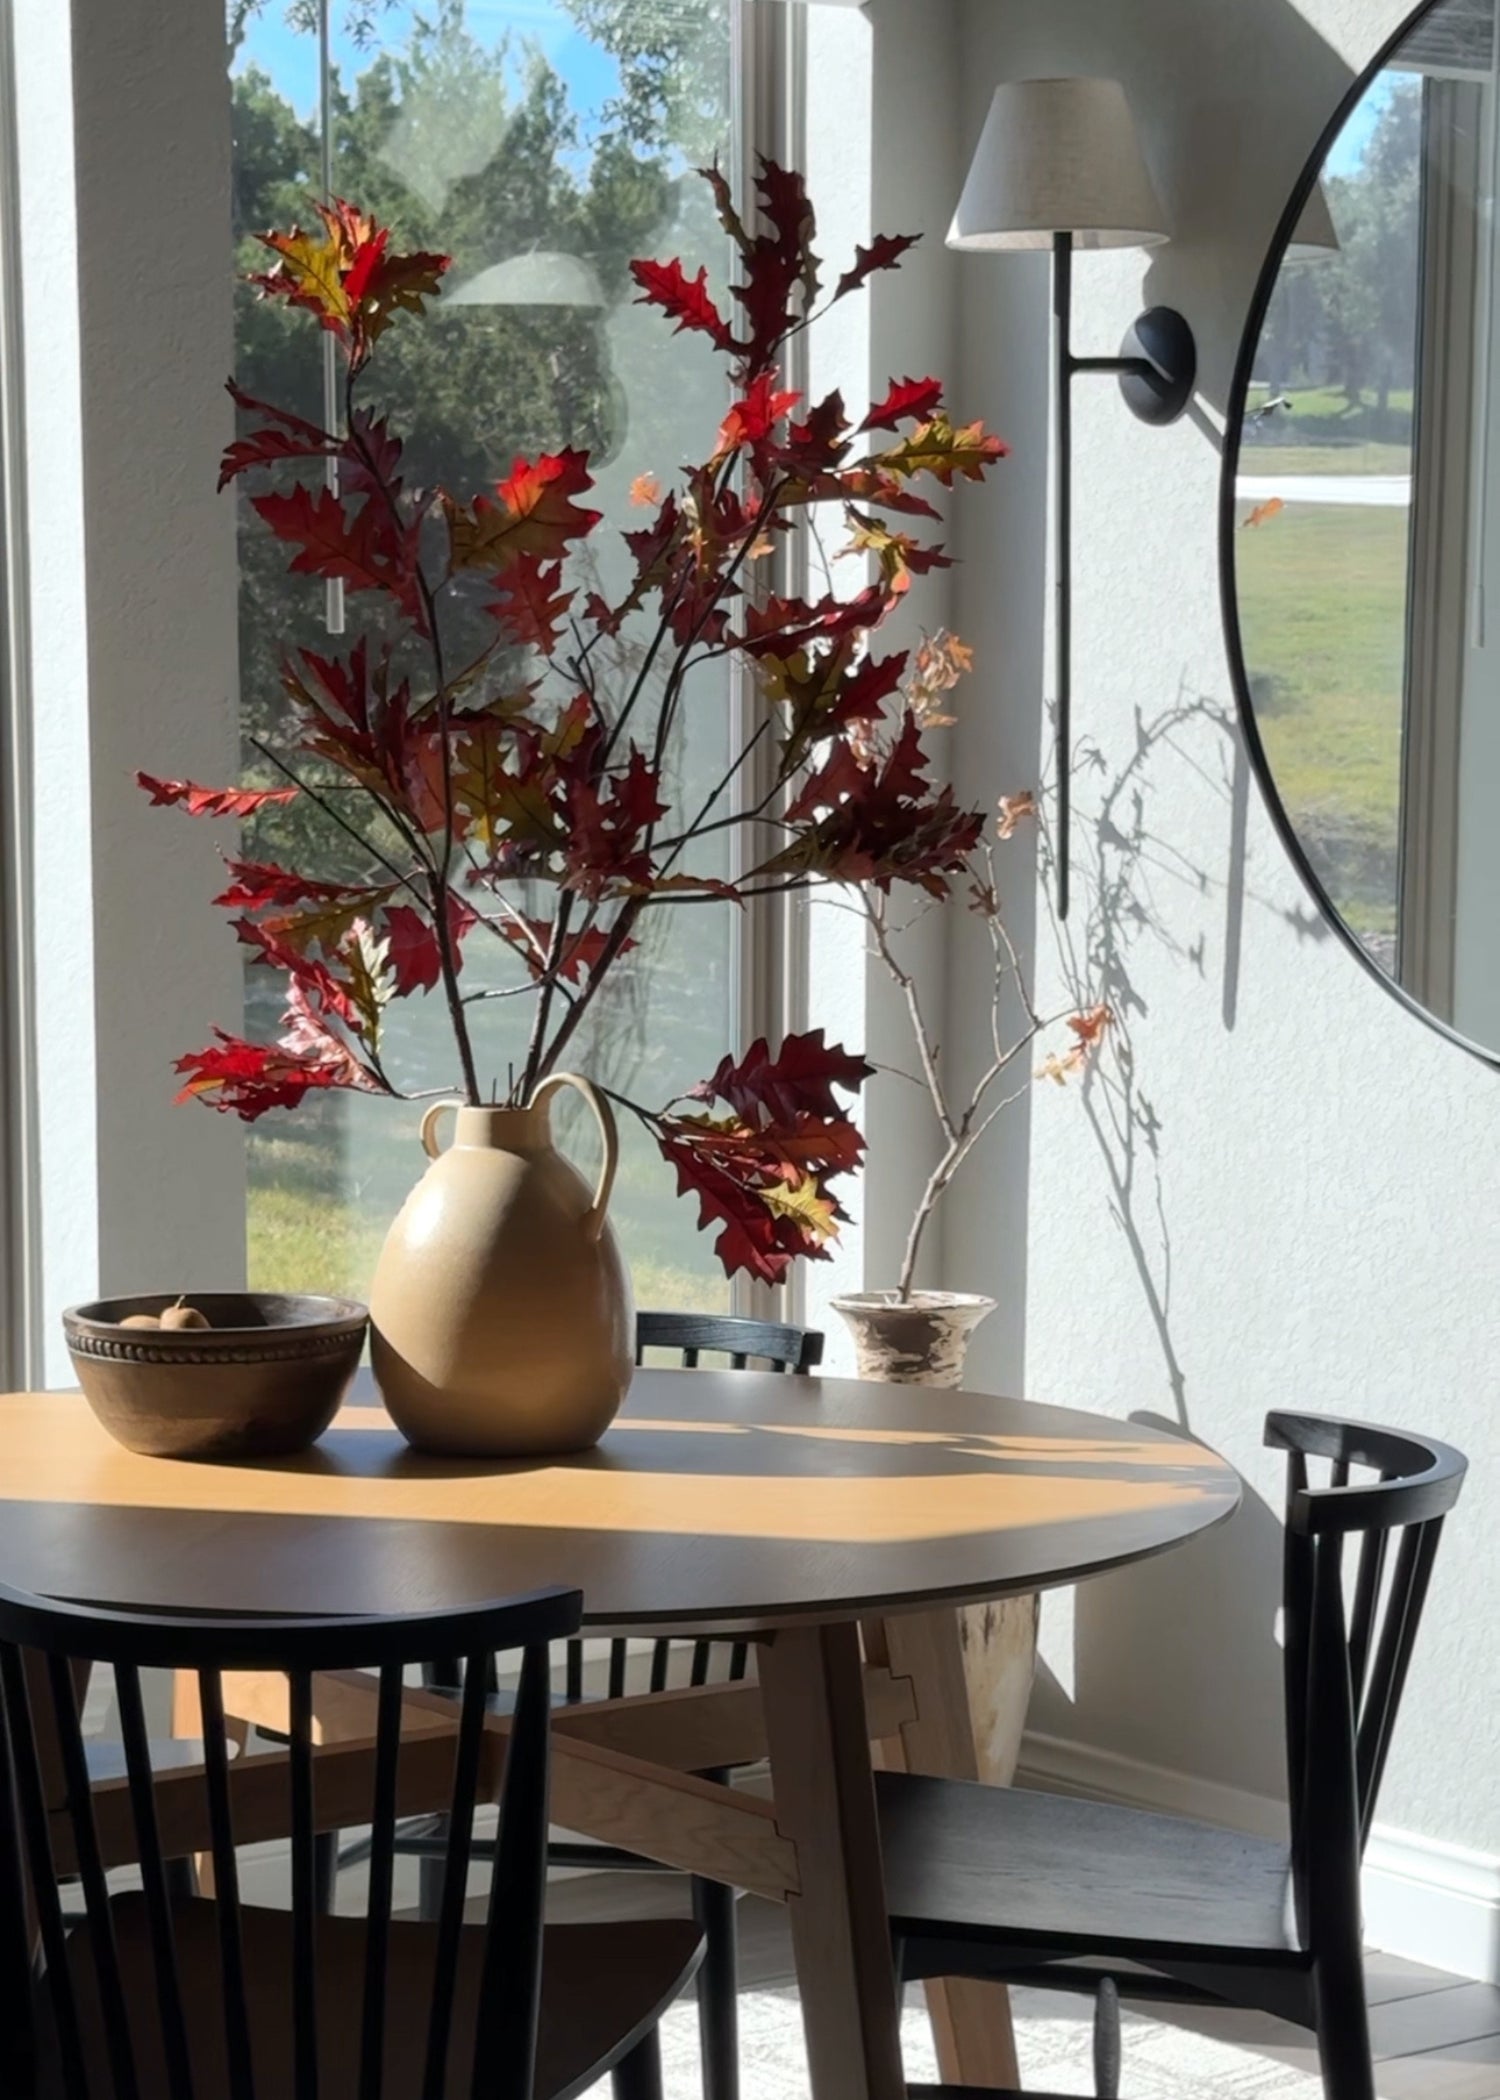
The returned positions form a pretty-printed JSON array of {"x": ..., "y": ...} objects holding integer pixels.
[{"x": 262, "y": 1380}]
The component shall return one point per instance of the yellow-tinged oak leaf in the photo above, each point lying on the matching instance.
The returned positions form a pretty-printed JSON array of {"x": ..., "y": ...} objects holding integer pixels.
[
  {"x": 814, "y": 1212},
  {"x": 945, "y": 451},
  {"x": 313, "y": 263}
]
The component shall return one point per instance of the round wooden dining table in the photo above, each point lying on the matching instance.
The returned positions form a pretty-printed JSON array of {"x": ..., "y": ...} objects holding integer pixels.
[{"x": 834, "y": 1523}]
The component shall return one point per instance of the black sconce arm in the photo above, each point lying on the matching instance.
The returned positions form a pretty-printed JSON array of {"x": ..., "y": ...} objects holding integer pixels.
[{"x": 1156, "y": 368}]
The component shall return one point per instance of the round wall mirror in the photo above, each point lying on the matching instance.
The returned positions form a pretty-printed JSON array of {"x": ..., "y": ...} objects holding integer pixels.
[{"x": 1361, "y": 520}]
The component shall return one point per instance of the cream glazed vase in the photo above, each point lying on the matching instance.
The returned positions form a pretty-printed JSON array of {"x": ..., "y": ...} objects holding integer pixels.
[
  {"x": 924, "y": 1340},
  {"x": 501, "y": 1318}
]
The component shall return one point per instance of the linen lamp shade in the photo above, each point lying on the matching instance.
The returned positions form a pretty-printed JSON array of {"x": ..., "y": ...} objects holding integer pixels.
[{"x": 1058, "y": 156}]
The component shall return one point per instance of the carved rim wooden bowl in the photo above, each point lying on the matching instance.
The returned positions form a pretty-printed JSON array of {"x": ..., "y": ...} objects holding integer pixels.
[{"x": 263, "y": 1380}]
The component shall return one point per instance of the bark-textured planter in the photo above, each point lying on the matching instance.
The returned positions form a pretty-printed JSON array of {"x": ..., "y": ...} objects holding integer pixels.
[{"x": 924, "y": 1340}]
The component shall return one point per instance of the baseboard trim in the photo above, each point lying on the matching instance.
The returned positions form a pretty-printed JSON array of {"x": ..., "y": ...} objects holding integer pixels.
[{"x": 1424, "y": 1900}]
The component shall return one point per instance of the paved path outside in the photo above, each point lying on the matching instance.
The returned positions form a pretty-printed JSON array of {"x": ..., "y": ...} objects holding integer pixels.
[{"x": 1382, "y": 491}]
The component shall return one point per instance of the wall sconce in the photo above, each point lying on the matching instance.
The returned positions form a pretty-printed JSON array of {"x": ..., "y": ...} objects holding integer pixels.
[{"x": 1058, "y": 166}]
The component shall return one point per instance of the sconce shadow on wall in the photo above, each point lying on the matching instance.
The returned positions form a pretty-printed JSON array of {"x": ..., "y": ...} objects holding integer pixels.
[{"x": 1059, "y": 166}]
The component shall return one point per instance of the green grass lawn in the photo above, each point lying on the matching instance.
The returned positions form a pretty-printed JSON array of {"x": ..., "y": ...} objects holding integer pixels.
[
  {"x": 314, "y": 1227},
  {"x": 300, "y": 1241},
  {"x": 1324, "y": 459},
  {"x": 1322, "y": 591},
  {"x": 1324, "y": 433}
]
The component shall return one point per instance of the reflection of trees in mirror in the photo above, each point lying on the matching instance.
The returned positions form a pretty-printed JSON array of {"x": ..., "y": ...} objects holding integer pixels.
[
  {"x": 1337, "y": 355},
  {"x": 1322, "y": 584}
]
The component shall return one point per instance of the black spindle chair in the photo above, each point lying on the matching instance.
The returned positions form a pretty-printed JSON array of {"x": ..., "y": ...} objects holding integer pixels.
[
  {"x": 152, "y": 1996},
  {"x": 1058, "y": 1892},
  {"x": 691, "y": 1337}
]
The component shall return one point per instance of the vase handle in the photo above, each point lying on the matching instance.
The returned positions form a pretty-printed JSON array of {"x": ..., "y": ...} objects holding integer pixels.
[
  {"x": 430, "y": 1123},
  {"x": 604, "y": 1116}
]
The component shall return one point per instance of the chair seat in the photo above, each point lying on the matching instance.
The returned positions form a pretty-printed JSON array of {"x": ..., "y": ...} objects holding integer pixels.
[
  {"x": 604, "y": 1987},
  {"x": 1039, "y": 1871}
]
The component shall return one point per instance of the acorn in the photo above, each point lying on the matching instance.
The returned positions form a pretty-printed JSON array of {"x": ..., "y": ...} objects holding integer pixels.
[
  {"x": 141, "y": 1320},
  {"x": 179, "y": 1317}
]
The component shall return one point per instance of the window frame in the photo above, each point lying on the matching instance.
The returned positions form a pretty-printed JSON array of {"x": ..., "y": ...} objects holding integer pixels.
[{"x": 107, "y": 1186}]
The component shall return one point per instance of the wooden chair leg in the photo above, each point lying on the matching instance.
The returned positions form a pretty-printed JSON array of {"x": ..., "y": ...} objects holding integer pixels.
[
  {"x": 638, "y": 2076},
  {"x": 718, "y": 1990}
]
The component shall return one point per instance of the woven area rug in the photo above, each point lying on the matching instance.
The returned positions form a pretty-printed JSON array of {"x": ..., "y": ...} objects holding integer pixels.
[{"x": 1160, "y": 2062}]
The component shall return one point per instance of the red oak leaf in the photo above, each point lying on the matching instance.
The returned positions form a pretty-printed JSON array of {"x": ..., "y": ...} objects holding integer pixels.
[
  {"x": 233, "y": 1074},
  {"x": 581, "y": 951},
  {"x": 683, "y": 299},
  {"x": 825, "y": 691},
  {"x": 261, "y": 885},
  {"x": 798, "y": 1081},
  {"x": 415, "y": 958},
  {"x": 212, "y": 802},
  {"x": 781, "y": 274},
  {"x": 752, "y": 419},
  {"x": 381, "y": 284},
  {"x": 315, "y": 978},
  {"x": 782, "y": 626},
  {"x": 605, "y": 819},
  {"x": 281, "y": 436},
  {"x": 370, "y": 456},
  {"x": 884, "y": 253},
  {"x": 535, "y": 514},
  {"x": 751, "y": 1241},
  {"x": 908, "y": 398},
  {"x": 813, "y": 449},
  {"x": 364, "y": 549},
  {"x": 879, "y": 821},
  {"x": 247, "y": 1079},
  {"x": 531, "y": 606}
]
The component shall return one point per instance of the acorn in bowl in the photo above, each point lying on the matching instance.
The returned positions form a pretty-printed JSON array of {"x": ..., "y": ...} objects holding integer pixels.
[{"x": 216, "y": 1374}]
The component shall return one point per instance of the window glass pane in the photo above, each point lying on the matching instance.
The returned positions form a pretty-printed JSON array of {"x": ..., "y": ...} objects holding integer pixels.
[{"x": 543, "y": 144}]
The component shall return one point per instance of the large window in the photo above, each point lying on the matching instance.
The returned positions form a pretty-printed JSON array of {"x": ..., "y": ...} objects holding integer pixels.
[{"x": 543, "y": 144}]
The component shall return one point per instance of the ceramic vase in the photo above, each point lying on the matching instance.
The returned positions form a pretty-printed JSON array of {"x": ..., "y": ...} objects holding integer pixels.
[
  {"x": 924, "y": 1340},
  {"x": 501, "y": 1318}
]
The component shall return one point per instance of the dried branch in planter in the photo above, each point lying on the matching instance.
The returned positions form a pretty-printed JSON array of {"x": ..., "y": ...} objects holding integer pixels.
[
  {"x": 964, "y": 1121},
  {"x": 467, "y": 789}
]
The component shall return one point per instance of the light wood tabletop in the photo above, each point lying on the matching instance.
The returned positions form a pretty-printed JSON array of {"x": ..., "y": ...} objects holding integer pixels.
[
  {"x": 837, "y": 1523},
  {"x": 738, "y": 1500}
]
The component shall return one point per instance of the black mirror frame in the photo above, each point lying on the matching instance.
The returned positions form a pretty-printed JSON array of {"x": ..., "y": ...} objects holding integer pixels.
[{"x": 1234, "y": 425}]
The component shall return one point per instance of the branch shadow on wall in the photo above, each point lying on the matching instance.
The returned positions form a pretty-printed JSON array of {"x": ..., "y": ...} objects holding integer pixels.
[
  {"x": 1129, "y": 878},
  {"x": 1179, "y": 1619}
]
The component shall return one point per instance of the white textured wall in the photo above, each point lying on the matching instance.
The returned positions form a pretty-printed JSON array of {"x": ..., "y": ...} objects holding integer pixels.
[
  {"x": 150, "y": 95},
  {"x": 1281, "y": 1189}
]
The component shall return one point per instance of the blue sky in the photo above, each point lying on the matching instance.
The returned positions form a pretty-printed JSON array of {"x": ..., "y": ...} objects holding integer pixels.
[
  {"x": 1348, "y": 148},
  {"x": 291, "y": 58}
]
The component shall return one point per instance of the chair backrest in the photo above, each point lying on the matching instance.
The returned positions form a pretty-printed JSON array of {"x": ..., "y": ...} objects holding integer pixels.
[
  {"x": 87, "y": 2035},
  {"x": 780, "y": 1348},
  {"x": 793, "y": 1350},
  {"x": 1359, "y": 1553}
]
